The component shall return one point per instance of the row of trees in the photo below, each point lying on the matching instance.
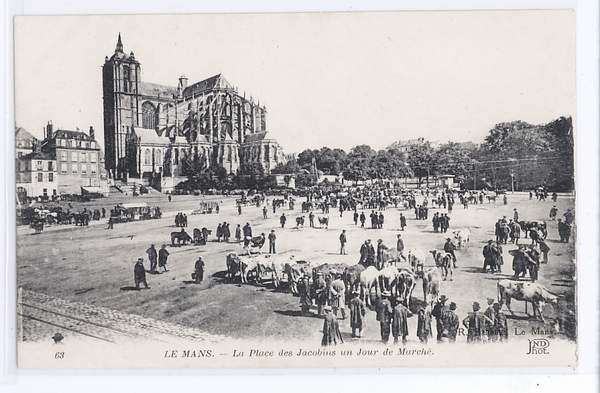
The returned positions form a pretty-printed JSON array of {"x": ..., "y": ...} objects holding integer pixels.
[{"x": 513, "y": 154}]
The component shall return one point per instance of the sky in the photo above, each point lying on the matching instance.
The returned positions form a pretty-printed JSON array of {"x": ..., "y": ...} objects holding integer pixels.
[{"x": 327, "y": 79}]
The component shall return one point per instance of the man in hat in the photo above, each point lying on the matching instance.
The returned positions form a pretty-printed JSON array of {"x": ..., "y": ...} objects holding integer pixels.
[
  {"x": 139, "y": 274},
  {"x": 449, "y": 247},
  {"x": 450, "y": 322},
  {"x": 357, "y": 314},
  {"x": 370, "y": 261},
  {"x": 400, "y": 321},
  {"x": 489, "y": 313},
  {"x": 476, "y": 323},
  {"x": 199, "y": 270},
  {"x": 384, "y": 316},
  {"x": 438, "y": 310},
  {"x": 163, "y": 254},
  {"x": 152, "y": 257},
  {"x": 272, "y": 238},
  {"x": 402, "y": 222},
  {"x": 500, "y": 324},
  {"x": 436, "y": 222},
  {"x": 331, "y": 329},
  {"x": 338, "y": 301},
  {"x": 320, "y": 292},
  {"x": 343, "y": 241},
  {"x": 265, "y": 212},
  {"x": 363, "y": 218},
  {"x": 381, "y": 248},
  {"x": 400, "y": 247},
  {"x": 553, "y": 213},
  {"x": 282, "y": 220},
  {"x": 304, "y": 293},
  {"x": 424, "y": 324},
  {"x": 489, "y": 257},
  {"x": 515, "y": 214},
  {"x": 544, "y": 249}
]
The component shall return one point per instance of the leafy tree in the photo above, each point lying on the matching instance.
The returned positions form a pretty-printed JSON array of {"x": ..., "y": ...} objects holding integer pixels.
[{"x": 359, "y": 163}]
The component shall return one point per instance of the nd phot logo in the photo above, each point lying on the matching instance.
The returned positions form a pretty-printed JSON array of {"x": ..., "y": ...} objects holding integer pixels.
[{"x": 538, "y": 346}]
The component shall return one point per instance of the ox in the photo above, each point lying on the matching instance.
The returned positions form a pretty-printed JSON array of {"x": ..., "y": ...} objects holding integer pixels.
[
  {"x": 443, "y": 260},
  {"x": 324, "y": 221},
  {"x": 351, "y": 278},
  {"x": 300, "y": 221},
  {"x": 369, "y": 279},
  {"x": 237, "y": 265},
  {"x": 181, "y": 238},
  {"x": 532, "y": 292},
  {"x": 462, "y": 237},
  {"x": 405, "y": 284},
  {"x": 431, "y": 285}
]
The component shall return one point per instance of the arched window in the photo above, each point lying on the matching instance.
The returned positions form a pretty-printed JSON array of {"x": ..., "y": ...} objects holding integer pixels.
[
  {"x": 157, "y": 157},
  {"x": 148, "y": 115},
  {"x": 147, "y": 157},
  {"x": 229, "y": 153}
]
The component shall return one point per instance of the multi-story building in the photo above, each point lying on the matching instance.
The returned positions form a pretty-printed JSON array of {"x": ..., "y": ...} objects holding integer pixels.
[
  {"x": 79, "y": 160},
  {"x": 151, "y": 129},
  {"x": 36, "y": 175},
  {"x": 24, "y": 142}
]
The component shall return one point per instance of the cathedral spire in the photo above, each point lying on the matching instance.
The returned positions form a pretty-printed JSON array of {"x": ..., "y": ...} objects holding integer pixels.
[{"x": 119, "y": 47}]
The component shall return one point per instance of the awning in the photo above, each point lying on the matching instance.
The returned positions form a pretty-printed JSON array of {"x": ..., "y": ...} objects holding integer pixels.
[{"x": 134, "y": 205}]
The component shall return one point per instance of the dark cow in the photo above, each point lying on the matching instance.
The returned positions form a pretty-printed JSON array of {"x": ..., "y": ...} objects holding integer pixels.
[
  {"x": 324, "y": 221},
  {"x": 443, "y": 260},
  {"x": 299, "y": 221},
  {"x": 181, "y": 237}
]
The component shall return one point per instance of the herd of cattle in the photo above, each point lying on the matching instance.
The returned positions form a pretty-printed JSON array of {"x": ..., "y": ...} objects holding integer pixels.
[{"x": 397, "y": 276}]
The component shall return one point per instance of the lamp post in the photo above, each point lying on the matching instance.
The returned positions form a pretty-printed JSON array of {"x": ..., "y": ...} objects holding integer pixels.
[{"x": 512, "y": 182}]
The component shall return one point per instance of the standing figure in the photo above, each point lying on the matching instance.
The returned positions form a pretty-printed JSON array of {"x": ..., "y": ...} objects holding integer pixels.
[
  {"x": 424, "y": 324},
  {"x": 384, "y": 316},
  {"x": 343, "y": 241},
  {"x": 282, "y": 220},
  {"x": 139, "y": 274},
  {"x": 400, "y": 321},
  {"x": 272, "y": 238},
  {"x": 357, "y": 314},
  {"x": 331, "y": 329},
  {"x": 163, "y": 254},
  {"x": 402, "y": 222},
  {"x": 152, "y": 257},
  {"x": 199, "y": 270},
  {"x": 476, "y": 324}
]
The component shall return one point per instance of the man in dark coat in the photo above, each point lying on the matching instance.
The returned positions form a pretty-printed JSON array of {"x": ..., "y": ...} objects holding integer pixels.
[
  {"x": 424, "y": 325},
  {"x": 435, "y": 222},
  {"x": 304, "y": 293},
  {"x": 163, "y": 254},
  {"x": 437, "y": 312},
  {"x": 400, "y": 321},
  {"x": 282, "y": 220},
  {"x": 152, "y": 257},
  {"x": 370, "y": 261},
  {"x": 355, "y": 217},
  {"x": 449, "y": 247},
  {"x": 139, "y": 274},
  {"x": 500, "y": 324},
  {"x": 362, "y": 219},
  {"x": 380, "y": 220},
  {"x": 272, "y": 238},
  {"x": 476, "y": 324},
  {"x": 199, "y": 270},
  {"x": 450, "y": 323},
  {"x": 343, "y": 241},
  {"x": 384, "y": 316},
  {"x": 320, "y": 289},
  {"x": 489, "y": 257},
  {"x": 402, "y": 221},
  {"x": 357, "y": 314},
  {"x": 331, "y": 329}
]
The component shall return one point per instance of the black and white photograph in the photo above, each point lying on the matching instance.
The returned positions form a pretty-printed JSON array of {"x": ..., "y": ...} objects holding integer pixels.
[{"x": 331, "y": 189}]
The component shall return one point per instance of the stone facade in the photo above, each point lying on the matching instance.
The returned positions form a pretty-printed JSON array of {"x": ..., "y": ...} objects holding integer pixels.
[
  {"x": 208, "y": 121},
  {"x": 36, "y": 175}
]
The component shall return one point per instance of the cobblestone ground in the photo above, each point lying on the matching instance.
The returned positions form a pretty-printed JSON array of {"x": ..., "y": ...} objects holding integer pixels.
[{"x": 41, "y": 316}]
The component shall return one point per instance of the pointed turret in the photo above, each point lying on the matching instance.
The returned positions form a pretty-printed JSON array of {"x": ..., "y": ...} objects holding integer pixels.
[{"x": 119, "y": 47}]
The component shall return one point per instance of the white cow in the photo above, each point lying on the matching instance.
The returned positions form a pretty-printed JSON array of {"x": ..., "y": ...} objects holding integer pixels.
[
  {"x": 369, "y": 278},
  {"x": 462, "y": 237},
  {"x": 432, "y": 279},
  {"x": 526, "y": 291}
]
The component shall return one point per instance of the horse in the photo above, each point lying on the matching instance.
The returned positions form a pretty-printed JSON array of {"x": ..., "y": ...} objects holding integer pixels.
[{"x": 369, "y": 279}]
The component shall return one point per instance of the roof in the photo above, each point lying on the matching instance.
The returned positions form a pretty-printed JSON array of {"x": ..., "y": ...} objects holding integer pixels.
[
  {"x": 39, "y": 155},
  {"x": 157, "y": 90},
  {"x": 134, "y": 205},
  {"x": 212, "y": 83},
  {"x": 259, "y": 136},
  {"x": 68, "y": 134},
  {"x": 146, "y": 135},
  {"x": 23, "y": 134}
]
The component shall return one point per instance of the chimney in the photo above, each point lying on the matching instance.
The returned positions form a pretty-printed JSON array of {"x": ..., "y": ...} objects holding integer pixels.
[
  {"x": 92, "y": 133},
  {"x": 49, "y": 130}
]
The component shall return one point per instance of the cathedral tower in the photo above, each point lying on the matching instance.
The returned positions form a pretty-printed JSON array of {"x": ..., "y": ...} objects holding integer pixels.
[{"x": 121, "y": 76}]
